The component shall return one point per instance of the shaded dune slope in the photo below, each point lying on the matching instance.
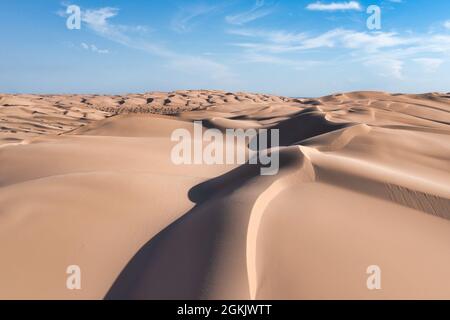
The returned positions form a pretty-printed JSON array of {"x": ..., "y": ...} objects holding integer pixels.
[{"x": 364, "y": 180}]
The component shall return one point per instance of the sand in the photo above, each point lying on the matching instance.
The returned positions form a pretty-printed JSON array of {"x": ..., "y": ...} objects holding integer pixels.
[{"x": 88, "y": 180}]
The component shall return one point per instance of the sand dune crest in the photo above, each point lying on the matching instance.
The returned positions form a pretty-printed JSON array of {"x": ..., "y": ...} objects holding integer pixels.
[{"x": 88, "y": 180}]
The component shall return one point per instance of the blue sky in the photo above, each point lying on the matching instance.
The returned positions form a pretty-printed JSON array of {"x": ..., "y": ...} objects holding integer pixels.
[{"x": 292, "y": 48}]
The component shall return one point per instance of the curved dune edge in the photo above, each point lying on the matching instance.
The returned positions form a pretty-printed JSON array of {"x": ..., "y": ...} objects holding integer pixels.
[
  {"x": 303, "y": 174},
  {"x": 88, "y": 180}
]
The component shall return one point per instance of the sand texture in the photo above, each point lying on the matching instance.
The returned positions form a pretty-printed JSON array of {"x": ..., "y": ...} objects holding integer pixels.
[{"x": 88, "y": 180}]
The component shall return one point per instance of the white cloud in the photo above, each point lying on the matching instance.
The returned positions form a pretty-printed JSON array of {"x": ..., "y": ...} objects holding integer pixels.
[
  {"x": 384, "y": 53},
  {"x": 259, "y": 10},
  {"x": 447, "y": 24},
  {"x": 201, "y": 66},
  {"x": 334, "y": 6},
  {"x": 280, "y": 41},
  {"x": 429, "y": 64},
  {"x": 386, "y": 67},
  {"x": 183, "y": 20},
  {"x": 98, "y": 20},
  {"x": 374, "y": 41},
  {"x": 97, "y": 50},
  {"x": 93, "y": 48},
  {"x": 280, "y": 37},
  {"x": 297, "y": 64}
]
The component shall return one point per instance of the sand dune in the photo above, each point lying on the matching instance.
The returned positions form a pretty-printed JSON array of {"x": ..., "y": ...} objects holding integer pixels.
[{"x": 88, "y": 180}]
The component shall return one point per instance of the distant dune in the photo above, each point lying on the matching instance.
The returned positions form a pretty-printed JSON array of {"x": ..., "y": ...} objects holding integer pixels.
[{"x": 88, "y": 180}]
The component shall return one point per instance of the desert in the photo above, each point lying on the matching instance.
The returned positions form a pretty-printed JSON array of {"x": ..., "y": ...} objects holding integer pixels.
[{"x": 88, "y": 180}]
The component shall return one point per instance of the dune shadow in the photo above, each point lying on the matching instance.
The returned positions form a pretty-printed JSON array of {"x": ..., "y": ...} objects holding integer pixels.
[
  {"x": 306, "y": 124},
  {"x": 175, "y": 263}
]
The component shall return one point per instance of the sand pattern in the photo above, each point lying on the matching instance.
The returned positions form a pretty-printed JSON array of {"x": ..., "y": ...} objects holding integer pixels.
[{"x": 88, "y": 180}]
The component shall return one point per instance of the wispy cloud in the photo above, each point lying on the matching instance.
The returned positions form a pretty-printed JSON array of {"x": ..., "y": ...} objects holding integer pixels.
[
  {"x": 334, "y": 6},
  {"x": 277, "y": 37},
  {"x": 259, "y": 10},
  {"x": 429, "y": 64},
  {"x": 186, "y": 16},
  {"x": 201, "y": 66},
  {"x": 447, "y": 24},
  {"x": 93, "y": 48},
  {"x": 279, "y": 41},
  {"x": 385, "y": 66},
  {"x": 384, "y": 52},
  {"x": 297, "y": 64},
  {"x": 98, "y": 20}
]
